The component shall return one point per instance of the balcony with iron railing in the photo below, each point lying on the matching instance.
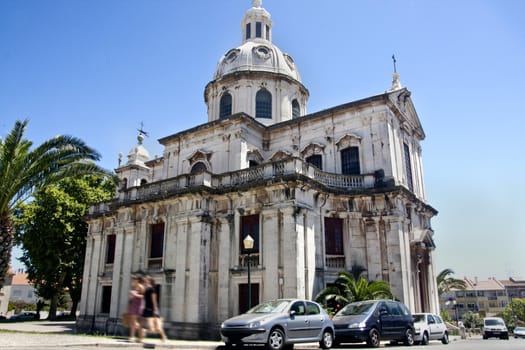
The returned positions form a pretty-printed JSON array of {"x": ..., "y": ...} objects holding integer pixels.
[{"x": 267, "y": 171}]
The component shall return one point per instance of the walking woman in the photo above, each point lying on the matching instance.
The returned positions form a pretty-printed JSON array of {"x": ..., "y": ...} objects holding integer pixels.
[
  {"x": 151, "y": 308},
  {"x": 135, "y": 305}
]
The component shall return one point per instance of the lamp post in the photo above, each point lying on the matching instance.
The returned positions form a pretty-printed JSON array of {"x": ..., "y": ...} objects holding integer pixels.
[
  {"x": 455, "y": 306},
  {"x": 456, "y": 310},
  {"x": 248, "y": 246}
]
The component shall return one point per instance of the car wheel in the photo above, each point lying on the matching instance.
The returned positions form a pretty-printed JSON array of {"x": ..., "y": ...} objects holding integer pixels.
[
  {"x": 445, "y": 339},
  {"x": 485, "y": 337},
  {"x": 327, "y": 340},
  {"x": 276, "y": 339},
  {"x": 424, "y": 339},
  {"x": 409, "y": 337},
  {"x": 373, "y": 339}
]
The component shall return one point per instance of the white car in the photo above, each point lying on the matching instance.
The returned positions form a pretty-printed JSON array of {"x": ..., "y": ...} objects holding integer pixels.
[
  {"x": 495, "y": 327},
  {"x": 429, "y": 327}
]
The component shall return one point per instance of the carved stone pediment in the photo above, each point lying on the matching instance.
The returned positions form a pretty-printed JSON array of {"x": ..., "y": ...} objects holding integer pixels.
[
  {"x": 348, "y": 140},
  {"x": 312, "y": 148},
  {"x": 255, "y": 155},
  {"x": 280, "y": 155},
  {"x": 200, "y": 155}
]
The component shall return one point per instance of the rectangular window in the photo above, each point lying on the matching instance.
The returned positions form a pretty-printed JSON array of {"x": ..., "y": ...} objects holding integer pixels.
[
  {"x": 248, "y": 31},
  {"x": 157, "y": 241},
  {"x": 267, "y": 32},
  {"x": 333, "y": 236},
  {"x": 250, "y": 226},
  {"x": 258, "y": 30},
  {"x": 350, "y": 161},
  {"x": 106, "y": 299},
  {"x": 408, "y": 167},
  {"x": 316, "y": 159},
  {"x": 110, "y": 249},
  {"x": 156, "y": 251}
]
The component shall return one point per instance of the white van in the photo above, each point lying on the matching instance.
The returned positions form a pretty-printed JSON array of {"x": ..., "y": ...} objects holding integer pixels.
[{"x": 495, "y": 327}]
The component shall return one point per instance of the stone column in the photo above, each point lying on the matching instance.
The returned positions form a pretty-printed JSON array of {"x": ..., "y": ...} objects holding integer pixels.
[
  {"x": 373, "y": 250},
  {"x": 271, "y": 259},
  {"x": 226, "y": 235},
  {"x": 293, "y": 254},
  {"x": 308, "y": 230},
  {"x": 89, "y": 276},
  {"x": 198, "y": 246},
  {"x": 182, "y": 269},
  {"x": 120, "y": 282}
]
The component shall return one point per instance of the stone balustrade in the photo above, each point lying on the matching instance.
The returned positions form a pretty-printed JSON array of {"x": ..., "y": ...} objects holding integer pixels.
[{"x": 292, "y": 166}]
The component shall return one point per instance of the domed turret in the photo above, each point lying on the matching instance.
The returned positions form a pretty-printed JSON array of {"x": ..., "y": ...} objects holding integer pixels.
[{"x": 256, "y": 78}]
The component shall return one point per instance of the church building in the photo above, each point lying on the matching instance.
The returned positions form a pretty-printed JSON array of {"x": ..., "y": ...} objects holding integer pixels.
[{"x": 315, "y": 194}]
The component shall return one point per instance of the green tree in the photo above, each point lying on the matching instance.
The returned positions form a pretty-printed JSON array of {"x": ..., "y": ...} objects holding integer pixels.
[
  {"x": 52, "y": 232},
  {"x": 446, "y": 282},
  {"x": 347, "y": 288},
  {"x": 471, "y": 320},
  {"x": 514, "y": 313},
  {"x": 24, "y": 170}
]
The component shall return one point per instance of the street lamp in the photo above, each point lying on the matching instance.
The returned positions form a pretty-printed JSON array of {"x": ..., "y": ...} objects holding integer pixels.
[
  {"x": 248, "y": 246},
  {"x": 455, "y": 306}
]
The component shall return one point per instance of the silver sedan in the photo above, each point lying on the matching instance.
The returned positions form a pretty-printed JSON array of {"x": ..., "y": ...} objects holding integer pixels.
[{"x": 279, "y": 323}]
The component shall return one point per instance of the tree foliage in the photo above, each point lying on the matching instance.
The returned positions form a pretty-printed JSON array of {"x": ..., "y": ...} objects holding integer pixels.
[
  {"x": 24, "y": 169},
  {"x": 471, "y": 320},
  {"x": 514, "y": 313},
  {"x": 347, "y": 288},
  {"x": 446, "y": 282},
  {"x": 52, "y": 232}
]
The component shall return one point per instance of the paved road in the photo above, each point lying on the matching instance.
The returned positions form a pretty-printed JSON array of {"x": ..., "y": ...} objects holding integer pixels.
[{"x": 61, "y": 335}]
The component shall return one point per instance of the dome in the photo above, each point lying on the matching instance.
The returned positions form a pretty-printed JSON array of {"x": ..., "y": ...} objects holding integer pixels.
[
  {"x": 260, "y": 56},
  {"x": 257, "y": 52},
  {"x": 256, "y": 78}
]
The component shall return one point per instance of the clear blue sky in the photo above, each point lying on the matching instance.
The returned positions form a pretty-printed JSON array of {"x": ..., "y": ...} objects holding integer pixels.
[{"x": 96, "y": 69}]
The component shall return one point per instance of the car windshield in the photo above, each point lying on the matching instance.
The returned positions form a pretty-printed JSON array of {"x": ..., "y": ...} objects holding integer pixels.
[
  {"x": 356, "y": 309},
  {"x": 419, "y": 318},
  {"x": 275, "y": 306},
  {"x": 494, "y": 322}
]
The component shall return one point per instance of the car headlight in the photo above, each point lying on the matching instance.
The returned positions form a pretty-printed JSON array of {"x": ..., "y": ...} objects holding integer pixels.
[
  {"x": 357, "y": 325},
  {"x": 254, "y": 324}
]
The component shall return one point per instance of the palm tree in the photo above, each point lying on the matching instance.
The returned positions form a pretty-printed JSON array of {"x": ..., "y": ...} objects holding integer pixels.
[
  {"x": 347, "y": 289},
  {"x": 24, "y": 170},
  {"x": 446, "y": 282}
]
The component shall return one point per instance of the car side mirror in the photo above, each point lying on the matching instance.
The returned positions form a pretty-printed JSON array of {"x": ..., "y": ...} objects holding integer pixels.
[
  {"x": 383, "y": 312},
  {"x": 431, "y": 322},
  {"x": 292, "y": 313}
]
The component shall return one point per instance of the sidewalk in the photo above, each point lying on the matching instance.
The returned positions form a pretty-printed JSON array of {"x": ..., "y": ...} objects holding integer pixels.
[{"x": 57, "y": 335}]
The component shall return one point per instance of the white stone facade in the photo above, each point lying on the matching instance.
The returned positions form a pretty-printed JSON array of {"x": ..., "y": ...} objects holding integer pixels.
[{"x": 336, "y": 190}]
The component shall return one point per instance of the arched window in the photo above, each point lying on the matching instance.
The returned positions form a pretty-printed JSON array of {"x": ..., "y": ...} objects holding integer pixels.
[
  {"x": 143, "y": 182},
  {"x": 226, "y": 105},
  {"x": 296, "y": 110},
  {"x": 263, "y": 104},
  {"x": 198, "y": 167}
]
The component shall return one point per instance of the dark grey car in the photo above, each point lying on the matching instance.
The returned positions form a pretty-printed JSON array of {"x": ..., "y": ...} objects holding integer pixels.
[
  {"x": 372, "y": 321},
  {"x": 278, "y": 323}
]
